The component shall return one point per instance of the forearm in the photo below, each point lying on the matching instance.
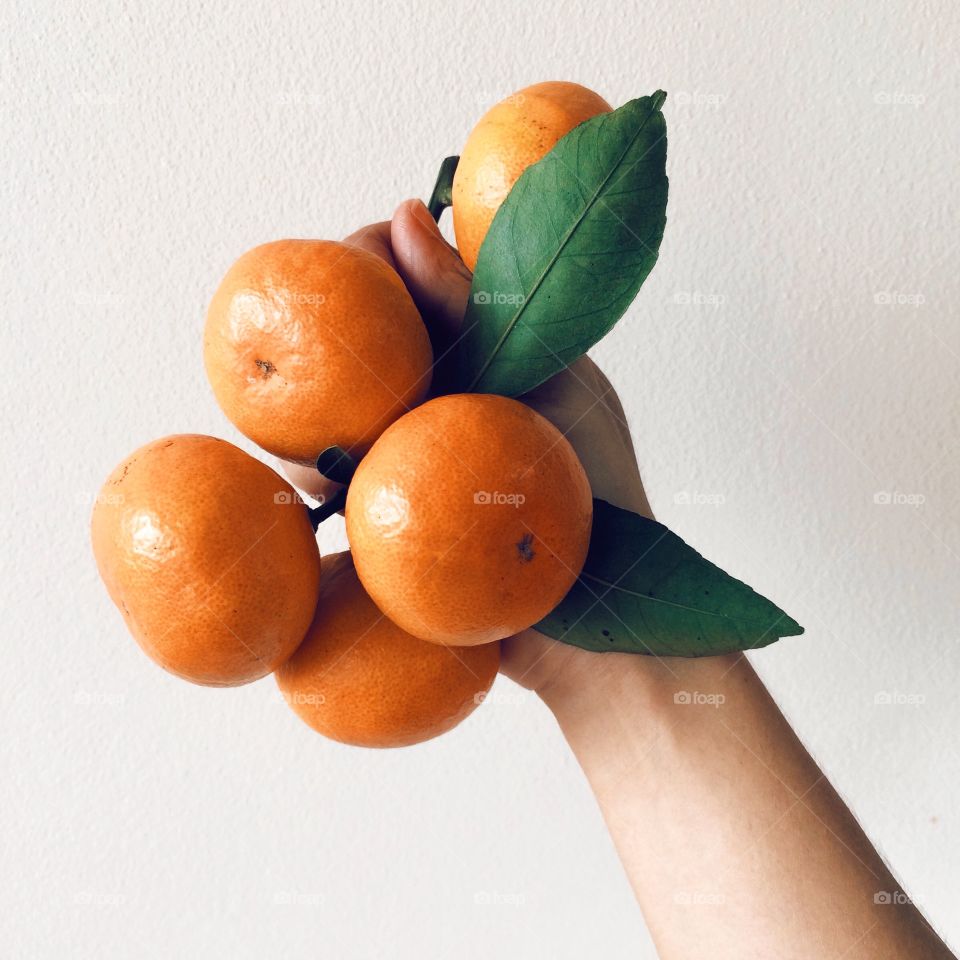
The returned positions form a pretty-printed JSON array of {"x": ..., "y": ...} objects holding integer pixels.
[{"x": 735, "y": 843}]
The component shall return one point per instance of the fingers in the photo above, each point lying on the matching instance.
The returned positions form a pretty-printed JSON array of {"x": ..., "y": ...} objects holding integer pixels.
[
  {"x": 375, "y": 238},
  {"x": 310, "y": 480},
  {"x": 432, "y": 270},
  {"x": 538, "y": 663},
  {"x": 582, "y": 405}
]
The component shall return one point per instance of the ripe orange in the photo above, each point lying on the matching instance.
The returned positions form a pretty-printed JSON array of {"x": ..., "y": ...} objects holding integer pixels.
[
  {"x": 511, "y": 136},
  {"x": 469, "y": 519},
  {"x": 311, "y": 343},
  {"x": 361, "y": 680},
  {"x": 209, "y": 556}
]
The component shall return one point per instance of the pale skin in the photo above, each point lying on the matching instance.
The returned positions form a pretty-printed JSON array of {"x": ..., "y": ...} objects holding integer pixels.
[{"x": 733, "y": 840}]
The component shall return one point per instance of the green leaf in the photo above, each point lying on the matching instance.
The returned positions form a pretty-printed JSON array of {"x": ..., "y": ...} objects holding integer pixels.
[
  {"x": 643, "y": 590},
  {"x": 336, "y": 465},
  {"x": 567, "y": 251}
]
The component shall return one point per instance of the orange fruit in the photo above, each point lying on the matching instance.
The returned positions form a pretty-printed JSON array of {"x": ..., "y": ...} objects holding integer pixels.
[
  {"x": 469, "y": 519},
  {"x": 511, "y": 136},
  {"x": 209, "y": 556},
  {"x": 311, "y": 343},
  {"x": 359, "y": 679}
]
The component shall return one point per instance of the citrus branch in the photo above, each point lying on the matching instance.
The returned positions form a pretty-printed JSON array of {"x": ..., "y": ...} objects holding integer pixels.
[{"x": 442, "y": 195}]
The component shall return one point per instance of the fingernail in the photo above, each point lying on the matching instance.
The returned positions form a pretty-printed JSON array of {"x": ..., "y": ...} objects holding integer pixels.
[{"x": 420, "y": 210}]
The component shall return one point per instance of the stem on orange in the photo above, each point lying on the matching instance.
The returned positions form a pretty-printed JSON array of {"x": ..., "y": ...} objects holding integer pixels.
[
  {"x": 328, "y": 508},
  {"x": 442, "y": 195},
  {"x": 334, "y": 463}
]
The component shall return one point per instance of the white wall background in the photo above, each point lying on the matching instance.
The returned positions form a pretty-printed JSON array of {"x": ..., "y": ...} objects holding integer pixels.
[{"x": 813, "y": 165}]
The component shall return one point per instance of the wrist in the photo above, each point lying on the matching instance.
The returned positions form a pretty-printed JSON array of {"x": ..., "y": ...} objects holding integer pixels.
[
  {"x": 594, "y": 686},
  {"x": 633, "y": 716}
]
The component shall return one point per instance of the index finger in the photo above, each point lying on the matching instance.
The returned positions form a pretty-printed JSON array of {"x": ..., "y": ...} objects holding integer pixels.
[{"x": 375, "y": 238}]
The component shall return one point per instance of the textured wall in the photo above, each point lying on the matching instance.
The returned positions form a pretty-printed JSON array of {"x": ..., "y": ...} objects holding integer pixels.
[{"x": 793, "y": 359}]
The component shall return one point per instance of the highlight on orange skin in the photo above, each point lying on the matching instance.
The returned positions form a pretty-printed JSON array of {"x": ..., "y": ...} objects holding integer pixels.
[
  {"x": 209, "y": 556},
  {"x": 314, "y": 343}
]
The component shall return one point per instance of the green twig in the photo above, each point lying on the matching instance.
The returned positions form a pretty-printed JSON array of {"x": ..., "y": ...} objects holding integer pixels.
[
  {"x": 442, "y": 195},
  {"x": 328, "y": 508}
]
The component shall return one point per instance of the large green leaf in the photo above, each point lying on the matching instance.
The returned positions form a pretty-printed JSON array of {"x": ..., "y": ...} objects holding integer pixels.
[
  {"x": 567, "y": 251},
  {"x": 643, "y": 590}
]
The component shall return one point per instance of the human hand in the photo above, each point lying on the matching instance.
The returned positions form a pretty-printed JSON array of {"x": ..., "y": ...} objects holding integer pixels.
[
  {"x": 643, "y": 754},
  {"x": 579, "y": 401}
]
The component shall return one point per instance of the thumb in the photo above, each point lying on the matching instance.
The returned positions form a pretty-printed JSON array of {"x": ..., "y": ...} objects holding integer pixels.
[{"x": 432, "y": 271}]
